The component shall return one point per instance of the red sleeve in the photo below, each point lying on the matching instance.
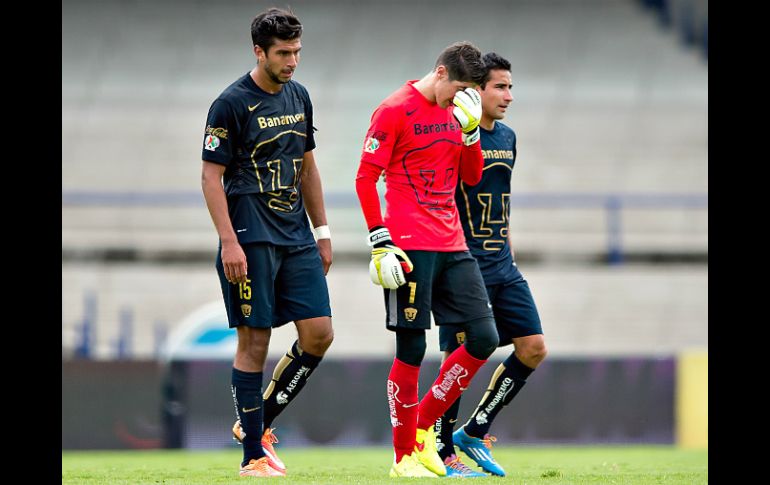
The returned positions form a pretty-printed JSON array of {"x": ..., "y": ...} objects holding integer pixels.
[
  {"x": 381, "y": 136},
  {"x": 471, "y": 164},
  {"x": 366, "y": 187}
]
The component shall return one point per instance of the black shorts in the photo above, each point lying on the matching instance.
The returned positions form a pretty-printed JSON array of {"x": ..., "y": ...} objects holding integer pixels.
[
  {"x": 448, "y": 284},
  {"x": 284, "y": 284},
  {"x": 515, "y": 315}
]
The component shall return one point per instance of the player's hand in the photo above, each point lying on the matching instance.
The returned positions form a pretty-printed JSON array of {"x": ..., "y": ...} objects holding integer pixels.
[
  {"x": 234, "y": 262},
  {"x": 325, "y": 250},
  {"x": 389, "y": 263},
  {"x": 467, "y": 111}
]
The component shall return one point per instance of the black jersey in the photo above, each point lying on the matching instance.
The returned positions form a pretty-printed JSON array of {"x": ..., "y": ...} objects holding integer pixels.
[
  {"x": 484, "y": 207},
  {"x": 262, "y": 138}
]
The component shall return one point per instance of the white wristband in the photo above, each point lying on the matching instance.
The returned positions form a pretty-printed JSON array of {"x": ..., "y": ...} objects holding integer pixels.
[{"x": 322, "y": 232}]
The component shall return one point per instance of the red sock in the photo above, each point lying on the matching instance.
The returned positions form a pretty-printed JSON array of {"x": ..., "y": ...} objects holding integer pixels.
[
  {"x": 455, "y": 375},
  {"x": 402, "y": 401}
]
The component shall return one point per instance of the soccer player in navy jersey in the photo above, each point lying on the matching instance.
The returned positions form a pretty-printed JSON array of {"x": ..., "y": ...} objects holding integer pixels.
[
  {"x": 423, "y": 137},
  {"x": 484, "y": 210},
  {"x": 259, "y": 140}
]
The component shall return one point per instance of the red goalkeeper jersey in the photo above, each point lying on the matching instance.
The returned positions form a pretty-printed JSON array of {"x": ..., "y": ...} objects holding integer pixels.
[{"x": 419, "y": 146}]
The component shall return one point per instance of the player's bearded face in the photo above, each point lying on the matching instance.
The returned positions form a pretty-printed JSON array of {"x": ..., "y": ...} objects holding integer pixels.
[{"x": 281, "y": 60}]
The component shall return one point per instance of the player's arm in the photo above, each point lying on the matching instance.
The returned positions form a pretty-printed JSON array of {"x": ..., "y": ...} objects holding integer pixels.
[
  {"x": 312, "y": 193},
  {"x": 471, "y": 164},
  {"x": 389, "y": 263},
  {"x": 233, "y": 257},
  {"x": 467, "y": 111},
  {"x": 510, "y": 243}
]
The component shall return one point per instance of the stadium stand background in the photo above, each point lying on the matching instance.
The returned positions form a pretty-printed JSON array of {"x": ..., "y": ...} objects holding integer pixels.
[{"x": 609, "y": 213}]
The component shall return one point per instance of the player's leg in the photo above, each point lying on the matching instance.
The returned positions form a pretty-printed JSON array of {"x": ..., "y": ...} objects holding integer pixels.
[
  {"x": 459, "y": 298},
  {"x": 458, "y": 295},
  {"x": 295, "y": 367},
  {"x": 302, "y": 296},
  {"x": 408, "y": 315},
  {"x": 451, "y": 337},
  {"x": 246, "y": 387},
  {"x": 518, "y": 322},
  {"x": 402, "y": 396},
  {"x": 446, "y": 423},
  {"x": 507, "y": 380},
  {"x": 249, "y": 308}
]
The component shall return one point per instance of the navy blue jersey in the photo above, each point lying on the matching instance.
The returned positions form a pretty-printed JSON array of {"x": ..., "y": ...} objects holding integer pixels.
[
  {"x": 484, "y": 207},
  {"x": 261, "y": 138}
]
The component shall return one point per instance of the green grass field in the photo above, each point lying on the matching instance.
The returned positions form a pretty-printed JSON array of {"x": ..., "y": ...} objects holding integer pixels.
[{"x": 525, "y": 465}]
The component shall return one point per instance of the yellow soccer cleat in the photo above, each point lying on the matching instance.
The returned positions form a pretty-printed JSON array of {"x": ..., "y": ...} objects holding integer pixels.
[
  {"x": 260, "y": 468},
  {"x": 410, "y": 466},
  {"x": 425, "y": 449}
]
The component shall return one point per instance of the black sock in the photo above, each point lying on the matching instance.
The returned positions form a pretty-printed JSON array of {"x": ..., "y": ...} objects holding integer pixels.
[
  {"x": 247, "y": 395},
  {"x": 290, "y": 375},
  {"x": 506, "y": 382},
  {"x": 445, "y": 425}
]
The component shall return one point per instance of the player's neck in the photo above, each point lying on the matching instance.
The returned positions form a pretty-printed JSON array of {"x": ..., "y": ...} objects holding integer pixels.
[
  {"x": 487, "y": 123},
  {"x": 426, "y": 87},
  {"x": 264, "y": 82}
]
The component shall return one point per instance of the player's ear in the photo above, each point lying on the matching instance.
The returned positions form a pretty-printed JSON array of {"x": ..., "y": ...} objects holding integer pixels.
[
  {"x": 259, "y": 53},
  {"x": 441, "y": 71}
]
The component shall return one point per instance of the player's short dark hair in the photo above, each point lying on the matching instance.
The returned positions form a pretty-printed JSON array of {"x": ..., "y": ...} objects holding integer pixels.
[
  {"x": 463, "y": 62},
  {"x": 494, "y": 61},
  {"x": 274, "y": 23}
]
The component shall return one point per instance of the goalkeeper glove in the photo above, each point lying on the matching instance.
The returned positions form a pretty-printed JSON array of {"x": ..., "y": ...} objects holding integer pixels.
[
  {"x": 467, "y": 111},
  {"x": 389, "y": 262}
]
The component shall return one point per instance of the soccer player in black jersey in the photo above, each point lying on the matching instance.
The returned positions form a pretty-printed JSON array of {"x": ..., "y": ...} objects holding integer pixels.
[
  {"x": 484, "y": 210},
  {"x": 261, "y": 182}
]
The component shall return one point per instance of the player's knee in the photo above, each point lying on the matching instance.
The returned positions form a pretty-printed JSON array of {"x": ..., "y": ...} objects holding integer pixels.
[
  {"x": 252, "y": 351},
  {"x": 481, "y": 337},
  {"x": 533, "y": 353},
  {"x": 318, "y": 342},
  {"x": 253, "y": 339},
  {"x": 488, "y": 343},
  {"x": 326, "y": 339}
]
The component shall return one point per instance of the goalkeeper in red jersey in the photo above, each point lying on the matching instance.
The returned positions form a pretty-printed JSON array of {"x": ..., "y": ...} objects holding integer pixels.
[{"x": 423, "y": 137}]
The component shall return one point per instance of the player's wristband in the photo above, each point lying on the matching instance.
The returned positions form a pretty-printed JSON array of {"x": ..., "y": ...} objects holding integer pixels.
[
  {"x": 472, "y": 137},
  {"x": 379, "y": 236},
  {"x": 322, "y": 232}
]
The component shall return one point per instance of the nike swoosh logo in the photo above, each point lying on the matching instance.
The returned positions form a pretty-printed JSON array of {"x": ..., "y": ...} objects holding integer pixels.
[
  {"x": 410, "y": 405},
  {"x": 252, "y": 108},
  {"x": 250, "y": 409},
  {"x": 410, "y": 113}
]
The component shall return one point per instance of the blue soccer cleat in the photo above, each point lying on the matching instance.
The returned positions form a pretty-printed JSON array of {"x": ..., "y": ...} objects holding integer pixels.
[
  {"x": 478, "y": 450},
  {"x": 456, "y": 468}
]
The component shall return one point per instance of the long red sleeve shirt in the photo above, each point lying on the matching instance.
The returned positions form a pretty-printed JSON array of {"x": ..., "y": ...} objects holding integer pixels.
[{"x": 419, "y": 147}]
